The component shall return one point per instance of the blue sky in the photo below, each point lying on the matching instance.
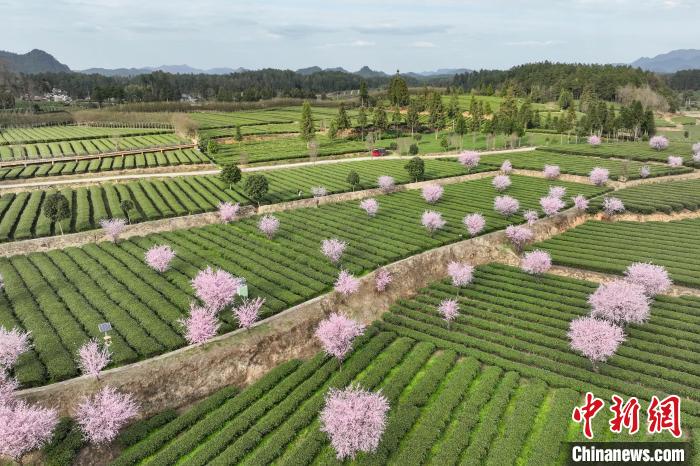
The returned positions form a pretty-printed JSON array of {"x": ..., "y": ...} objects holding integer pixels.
[{"x": 384, "y": 34}]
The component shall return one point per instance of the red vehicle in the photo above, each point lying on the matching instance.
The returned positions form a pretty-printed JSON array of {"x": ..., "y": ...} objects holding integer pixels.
[{"x": 378, "y": 152}]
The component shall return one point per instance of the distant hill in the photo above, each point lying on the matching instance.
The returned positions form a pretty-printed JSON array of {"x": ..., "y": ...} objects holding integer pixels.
[
  {"x": 675, "y": 60},
  {"x": 367, "y": 72},
  {"x": 442, "y": 72},
  {"x": 174, "y": 69},
  {"x": 36, "y": 61}
]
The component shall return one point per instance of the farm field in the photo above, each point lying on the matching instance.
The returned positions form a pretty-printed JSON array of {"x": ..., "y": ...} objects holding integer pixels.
[
  {"x": 667, "y": 197},
  {"x": 85, "y": 147},
  {"x": 10, "y": 136},
  {"x": 22, "y": 218},
  {"x": 580, "y": 165},
  {"x": 629, "y": 150},
  {"x": 292, "y": 147},
  {"x": 611, "y": 246},
  {"x": 125, "y": 162},
  {"x": 251, "y": 130},
  {"x": 51, "y": 295},
  {"x": 208, "y": 120},
  {"x": 457, "y": 395}
]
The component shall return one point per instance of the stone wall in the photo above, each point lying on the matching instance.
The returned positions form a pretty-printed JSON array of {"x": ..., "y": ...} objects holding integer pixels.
[{"x": 241, "y": 357}]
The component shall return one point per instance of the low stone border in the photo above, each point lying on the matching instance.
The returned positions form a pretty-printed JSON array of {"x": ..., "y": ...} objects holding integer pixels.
[{"x": 239, "y": 358}]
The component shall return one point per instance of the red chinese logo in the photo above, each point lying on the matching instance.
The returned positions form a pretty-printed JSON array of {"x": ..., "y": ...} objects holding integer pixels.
[
  {"x": 626, "y": 415},
  {"x": 661, "y": 415},
  {"x": 665, "y": 415},
  {"x": 587, "y": 412}
]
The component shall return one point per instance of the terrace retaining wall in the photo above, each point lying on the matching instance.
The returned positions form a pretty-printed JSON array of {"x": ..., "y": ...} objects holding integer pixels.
[{"x": 241, "y": 357}]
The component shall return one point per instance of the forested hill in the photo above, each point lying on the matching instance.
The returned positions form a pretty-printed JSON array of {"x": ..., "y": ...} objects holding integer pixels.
[{"x": 544, "y": 81}]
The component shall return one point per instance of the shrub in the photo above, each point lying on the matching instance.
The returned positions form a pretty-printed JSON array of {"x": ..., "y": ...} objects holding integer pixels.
[
  {"x": 432, "y": 193},
  {"x": 599, "y": 176},
  {"x": 595, "y": 339},
  {"x": 413, "y": 148},
  {"x": 501, "y": 182},
  {"x": 506, "y": 205},
  {"x": 432, "y": 221},
  {"x": 536, "y": 262},
  {"x": 653, "y": 278},
  {"x": 474, "y": 223},
  {"x": 658, "y": 143},
  {"x": 415, "y": 168},
  {"x": 620, "y": 302}
]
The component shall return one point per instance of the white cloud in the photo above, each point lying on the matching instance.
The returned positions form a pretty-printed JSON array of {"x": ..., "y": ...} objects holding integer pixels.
[{"x": 421, "y": 44}]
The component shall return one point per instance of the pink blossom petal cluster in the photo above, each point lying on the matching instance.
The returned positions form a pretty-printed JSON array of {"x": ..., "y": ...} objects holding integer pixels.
[
  {"x": 599, "y": 176},
  {"x": 474, "y": 223},
  {"x": 645, "y": 171},
  {"x": 613, "y": 206},
  {"x": 216, "y": 288},
  {"x": 354, "y": 419},
  {"x": 248, "y": 311},
  {"x": 469, "y": 158},
  {"x": 449, "y": 309},
  {"x": 653, "y": 278},
  {"x": 620, "y": 302},
  {"x": 12, "y": 344},
  {"x": 432, "y": 221},
  {"x": 200, "y": 325},
  {"x": 551, "y": 205},
  {"x": 501, "y": 182},
  {"x": 530, "y": 216},
  {"x": 506, "y": 167},
  {"x": 336, "y": 334},
  {"x": 382, "y": 279},
  {"x": 333, "y": 249},
  {"x": 506, "y": 205},
  {"x": 269, "y": 224},
  {"x": 658, "y": 142},
  {"x": 536, "y": 262},
  {"x": 519, "y": 235},
  {"x": 580, "y": 202},
  {"x": 101, "y": 416},
  {"x": 432, "y": 193},
  {"x": 228, "y": 211},
  {"x": 551, "y": 172},
  {"x": 386, "y": 183},
  {"x": 346, "y": 284},
  {"x": 159, "y": 257},
  {"x": 371, "y": 206},
  {"x": 675, "y": 161},
  {"x": 92, "y": 358},
  {"x": 594, "y": 140},
  {"x": 594, "y": 338},
  {"x": 557, "y": 191},
  {"x": 113, "y": 228},
  {"x": 461, "y": 274}
]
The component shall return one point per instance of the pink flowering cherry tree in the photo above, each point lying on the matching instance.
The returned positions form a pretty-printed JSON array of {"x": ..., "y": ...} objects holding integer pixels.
[
  {"x": 382, "y": 279},
  {"x": 658, "y": 142},
  {"x": 461, "y": 274},
  {"x": 333, "y": 249},
  {"x": 102, "y": 415},
  {"x": 599, "y": 176},
  {"x": 354, "y": 420},
  {"x": 519, "y": 236},
  {"x": 551, "y": 205},
  {"x": 536, "y": 262},
  {"x": 530, "y": 216},
  {"x": 696, "y": 157},
  {"x": 200, "y": 325},
  {"x": 675, "y": 161},
  {"x": 620, "y": 302},
  {"x": 506, "y": 167},
  {"x": 449, "y": 310},
  {"x": 595, "y": 339},
  {"x": 24, "y": 428},
  {"x": 432, "y": 221},
  {"x": 228, "y": 211},
  {"x": 92, "y": 358},
  {"x": 12, "y": 344},
  {"x": 8, "y": 385},
  {"x": 653, "y": 278},
  {"x": 594, "y": 140},
  {"x": 557, "y": 191},
  {"x": 432, "y": 193},
  {"x": 269, "y": 224},
  {"x": 613, "y": 206},
  {"x": 474, "y": 223},
  {"x": 469, "y": 159},
  {"x": 346, "y": 284},
  {"x": 216, "y": 288},
  {"x": 159, "y": 257},
  {"x": 248, "y": 311},
  {"x": 113, "y": 228},
  {"x": 371, "y": 206},
  {"x": 506, "y": 205},
  {"x": 551, "y": 172},
  {"x": 645, "y": 171},
  {"x": 580, "y": 202},
  {"x": 501, "y": 182},
  {"x": 386, "y": 183},
  {"x": 336, "y": 334}
]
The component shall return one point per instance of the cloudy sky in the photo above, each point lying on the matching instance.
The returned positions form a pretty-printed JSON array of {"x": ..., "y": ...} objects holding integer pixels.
[{"x": 384, "y": 34}]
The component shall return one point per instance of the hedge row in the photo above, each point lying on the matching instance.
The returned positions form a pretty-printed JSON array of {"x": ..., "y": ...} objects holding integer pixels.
[
  {"x": 611, "y": 247},
  {"x": 581, "y": 165}
]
